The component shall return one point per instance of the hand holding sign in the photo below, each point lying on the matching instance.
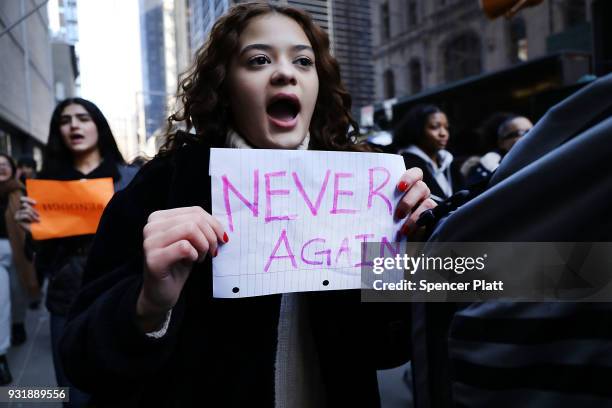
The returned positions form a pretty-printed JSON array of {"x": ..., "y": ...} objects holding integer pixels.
[
  {"x": 300, "y": 217},
  {"x": 173, "y": 240},
  {"x": 413, "y": 203},
  {"x": 27, "y": 214}
]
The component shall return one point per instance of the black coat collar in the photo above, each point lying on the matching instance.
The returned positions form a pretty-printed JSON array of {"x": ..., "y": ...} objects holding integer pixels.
[{"x": 190, "y": 183}]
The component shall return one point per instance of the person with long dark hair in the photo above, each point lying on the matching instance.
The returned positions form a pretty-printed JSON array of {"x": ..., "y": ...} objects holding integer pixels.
[
  {"x": 421, "y": 138},
  {"x": 80, "y": 146},
  {"x": 146, "y": 325},
  {"x": 17, "y": 277}
]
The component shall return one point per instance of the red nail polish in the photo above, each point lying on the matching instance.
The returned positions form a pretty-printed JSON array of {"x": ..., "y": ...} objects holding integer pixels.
[
  {"x": 399, "y": 214},
  {"x": 405, "y": 229},
  {"x": 402, "y": 186},
  {"x": 225, "y": 237}
]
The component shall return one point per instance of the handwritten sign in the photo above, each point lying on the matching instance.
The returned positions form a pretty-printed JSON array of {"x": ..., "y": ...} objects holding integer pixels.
[
  {"x": 296, "y": 219},
  {"x": 68, "y": 208}
]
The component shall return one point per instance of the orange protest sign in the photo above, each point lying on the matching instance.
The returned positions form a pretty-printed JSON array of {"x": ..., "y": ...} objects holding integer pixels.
[{"x": 68, "y": 208}]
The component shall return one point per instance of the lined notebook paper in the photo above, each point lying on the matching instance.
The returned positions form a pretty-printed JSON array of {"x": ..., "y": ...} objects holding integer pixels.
[{"x": 296, "y": 219}]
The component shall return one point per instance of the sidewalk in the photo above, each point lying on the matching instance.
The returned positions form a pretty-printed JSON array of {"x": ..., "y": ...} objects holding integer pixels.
[{"x": 32, "y": 363}]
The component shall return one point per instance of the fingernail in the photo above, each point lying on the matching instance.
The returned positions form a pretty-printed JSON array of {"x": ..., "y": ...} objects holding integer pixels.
[
  {"x": 402, "y": 186},
  {"x": 225, "y": 237},
  {"x": 399, "y": 214},
  {"x": 405, "y": 229}
]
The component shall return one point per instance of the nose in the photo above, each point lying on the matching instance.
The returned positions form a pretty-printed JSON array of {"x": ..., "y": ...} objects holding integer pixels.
[
  {"x": 284, "y": 74},
  {"x": 73, "y": 123}
]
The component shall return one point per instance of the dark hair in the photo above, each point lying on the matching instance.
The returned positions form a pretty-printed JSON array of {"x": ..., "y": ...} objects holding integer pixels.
[
  {"x": 11, "y": 163},
  {"x": 57, "y": 155},
  {"x": 203, "y": 90},
  {"x": 27, "y": 161},
  {"x": 411, "y": 128},
  {"x": 487, "y": 131}
]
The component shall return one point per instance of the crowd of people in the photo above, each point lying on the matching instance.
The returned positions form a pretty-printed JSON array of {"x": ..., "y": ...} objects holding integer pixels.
[
  {"x": 18, "y": 282},
  {"x": 80, "y": 146},
  {"x": 133, "y": 320},
  {"x": 422, "y": 136}
]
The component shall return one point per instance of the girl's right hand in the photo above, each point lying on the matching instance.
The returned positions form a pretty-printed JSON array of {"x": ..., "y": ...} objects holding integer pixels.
[
  {"x": 26, "y": 214},
  {"x": 173, "y": 240}
]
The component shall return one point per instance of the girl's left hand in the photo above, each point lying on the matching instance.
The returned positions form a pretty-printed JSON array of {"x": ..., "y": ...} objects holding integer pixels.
[
  {"x": 27, "y": 213},
  {"x": 414, "y": 202}
]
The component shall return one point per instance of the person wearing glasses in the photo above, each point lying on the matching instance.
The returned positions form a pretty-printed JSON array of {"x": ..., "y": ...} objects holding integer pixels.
[{"x": 508, "y": 134}]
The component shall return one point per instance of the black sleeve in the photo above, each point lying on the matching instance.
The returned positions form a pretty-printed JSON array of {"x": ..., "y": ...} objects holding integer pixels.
[
  {"x": 102, "y": 349},
  {"x": 458, "y": 181}
]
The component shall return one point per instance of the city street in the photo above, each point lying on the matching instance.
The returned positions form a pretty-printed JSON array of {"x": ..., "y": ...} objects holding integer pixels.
[
  {"x": 31, "y": 365},
  {"x": 140, "y": 139}
]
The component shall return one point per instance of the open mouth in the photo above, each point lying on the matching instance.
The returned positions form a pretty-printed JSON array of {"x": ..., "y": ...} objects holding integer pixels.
[
  {"x": 76, "y": 137},
  {"x": 283, "y": 110}
]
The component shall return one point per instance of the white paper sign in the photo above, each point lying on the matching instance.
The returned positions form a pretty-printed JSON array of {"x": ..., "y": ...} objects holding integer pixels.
[{"x": 296, "y": 219}]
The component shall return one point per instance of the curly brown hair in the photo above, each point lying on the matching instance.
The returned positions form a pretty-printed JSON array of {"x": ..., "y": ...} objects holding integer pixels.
[{"x": 202, "y": 89}]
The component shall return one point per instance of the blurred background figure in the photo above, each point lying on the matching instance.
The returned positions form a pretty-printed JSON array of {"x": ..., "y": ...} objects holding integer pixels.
[
  {"x": 486, "y": 135},
  {"x": 80, "y": 146},
  {"x": 26, "y": 168},
  {"x": 16, "y": 272},
  {"x": 421, "y": 138},
  {"x": 139, "y": 161},
  {"x": 509, "y": 132}
]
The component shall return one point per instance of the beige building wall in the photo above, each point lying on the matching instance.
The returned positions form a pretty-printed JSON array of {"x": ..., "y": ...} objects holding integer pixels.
[{"x": 26, "y": 74}]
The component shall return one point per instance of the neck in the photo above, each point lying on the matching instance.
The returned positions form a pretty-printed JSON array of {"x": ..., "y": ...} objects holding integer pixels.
[
  {"x": 432, "y": 154},
  {"x": 434, "y": 157},
  {"x": 87, "y": 161}
]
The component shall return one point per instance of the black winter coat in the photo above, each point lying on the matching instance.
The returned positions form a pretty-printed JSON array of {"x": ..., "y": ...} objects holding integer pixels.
[
  {"x": 457, "y": 182},
  {"x": 216, "y": 352},
  {"x": 62, "y": 259}
]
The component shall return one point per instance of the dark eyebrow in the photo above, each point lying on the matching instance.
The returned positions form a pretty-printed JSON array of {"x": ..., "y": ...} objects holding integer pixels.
[
  {"x": 266, "y": 47},
  {"x": 302, "y": 47},
  {"x": 78, "y": 115},
  {"x": 249, "y": 47}
]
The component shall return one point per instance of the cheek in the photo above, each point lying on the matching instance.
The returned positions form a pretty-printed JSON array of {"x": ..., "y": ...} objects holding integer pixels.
[
  {"x": 243, "y": 101},
  {"x": 430, "y": 136},
  {"x": 314, "y": 88},
  {"x": 64, "y": 131},
  {"x": 311, "y": 94},
  {"x": 246, "y": 92},
  {"x": 93, "y": 131}
]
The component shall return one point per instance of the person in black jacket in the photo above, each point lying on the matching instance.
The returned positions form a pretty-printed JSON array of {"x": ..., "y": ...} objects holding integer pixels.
[
  {"x": 421, "y": 138},
  {"x": 80, "y": 145},
  {"x": 145, "y": 329},
  {"x": 509, "y": 132}
]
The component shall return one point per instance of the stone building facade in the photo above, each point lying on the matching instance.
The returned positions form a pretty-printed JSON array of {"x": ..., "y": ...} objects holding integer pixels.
[{"x": 420, "y": 44}]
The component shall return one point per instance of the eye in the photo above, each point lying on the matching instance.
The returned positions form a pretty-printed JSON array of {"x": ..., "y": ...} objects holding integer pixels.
[
  {"x": 259, "y": 60},
  {"x": 304, "y": 61}
]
